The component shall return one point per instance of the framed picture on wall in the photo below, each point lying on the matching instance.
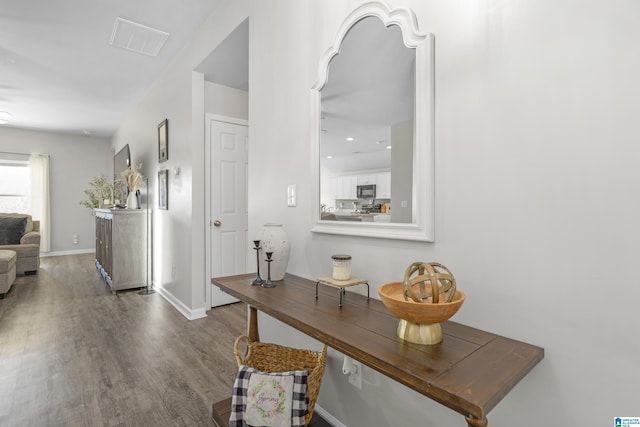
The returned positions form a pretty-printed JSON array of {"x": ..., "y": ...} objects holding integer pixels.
[
  {"x": 163, "y": 141},
  {"x": 163, "y": 189}
]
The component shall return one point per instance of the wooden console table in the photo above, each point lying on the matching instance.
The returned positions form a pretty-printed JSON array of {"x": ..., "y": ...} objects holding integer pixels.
[{"x": 470, "y": 371}]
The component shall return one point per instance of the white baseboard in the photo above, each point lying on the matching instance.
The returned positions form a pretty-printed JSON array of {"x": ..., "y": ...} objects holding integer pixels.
[
  {"x": 179, "y": 305},
  {"x": 328, "y": 417},
  {"x": 190, "y": 314},
  {"x": 74, "y": 252}
]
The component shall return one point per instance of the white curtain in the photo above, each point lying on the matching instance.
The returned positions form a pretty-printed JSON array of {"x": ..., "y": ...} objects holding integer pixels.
[{"x": 39, "y": 167}]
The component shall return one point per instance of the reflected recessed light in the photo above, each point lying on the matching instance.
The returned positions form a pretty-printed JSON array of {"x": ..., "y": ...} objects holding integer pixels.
[
  {"x": 350, "y": 138},
  {"x": 388, "y": 147},
  {"x": 329, "y": 157}
]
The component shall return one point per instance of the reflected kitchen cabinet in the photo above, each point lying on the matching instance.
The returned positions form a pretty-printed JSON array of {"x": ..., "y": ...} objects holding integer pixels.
[
  {"x": 346, "y": 187},
  {"x": 343, "y": 187},
  {"x": 366, "y": 179},
  {"x": 349, "y": 187},
  {"x": 383, "y": 185}
]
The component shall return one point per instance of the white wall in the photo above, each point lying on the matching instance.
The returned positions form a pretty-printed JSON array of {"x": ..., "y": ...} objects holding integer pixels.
[
  {"x": 179, "y": 96},
  {"x": 536, "y": 189},
  {"x": 74, "y": 160},
  {"x": 536, "y": 193},
  {"x": 226, "y": 101}
]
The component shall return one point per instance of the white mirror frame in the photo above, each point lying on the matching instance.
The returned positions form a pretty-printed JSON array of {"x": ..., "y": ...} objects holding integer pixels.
[{"x": 423, "y": 226}]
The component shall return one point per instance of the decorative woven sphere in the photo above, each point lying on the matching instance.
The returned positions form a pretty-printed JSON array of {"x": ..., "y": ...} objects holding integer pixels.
[{"x": 434, "y": 281}]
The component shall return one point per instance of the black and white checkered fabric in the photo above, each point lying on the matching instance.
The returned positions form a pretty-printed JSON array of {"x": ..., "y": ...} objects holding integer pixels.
[{"x": 300, "y": 399}]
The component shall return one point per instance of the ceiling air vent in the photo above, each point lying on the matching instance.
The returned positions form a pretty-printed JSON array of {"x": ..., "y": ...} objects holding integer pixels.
[{"x": 137, "y": 37}]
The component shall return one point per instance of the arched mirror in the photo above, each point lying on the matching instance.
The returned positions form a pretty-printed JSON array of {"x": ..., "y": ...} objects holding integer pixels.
[{"x": 372, "y": 128}]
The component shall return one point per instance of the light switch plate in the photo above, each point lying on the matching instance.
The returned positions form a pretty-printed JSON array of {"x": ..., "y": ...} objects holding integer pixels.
[{"x": 291, "y": 195}]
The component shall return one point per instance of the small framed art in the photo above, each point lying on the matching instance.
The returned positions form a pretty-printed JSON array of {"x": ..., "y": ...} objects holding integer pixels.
[
  {"x": 163, "y": 189},
  {"x": 163, "y": 141}
]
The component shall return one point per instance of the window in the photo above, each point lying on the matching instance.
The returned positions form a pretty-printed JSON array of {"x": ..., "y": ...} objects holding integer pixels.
[
  {"x": 24, "y": 188},
  {"x": 15, "y": 185}
]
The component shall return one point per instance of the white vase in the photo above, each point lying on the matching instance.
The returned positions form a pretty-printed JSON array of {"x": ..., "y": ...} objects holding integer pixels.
[
  {"x": 274, "y": 239},
  {"x": 132, "y": 201}
]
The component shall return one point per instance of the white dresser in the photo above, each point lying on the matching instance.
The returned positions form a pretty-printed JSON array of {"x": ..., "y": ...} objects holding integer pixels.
[{"x": 121, "y": 247}]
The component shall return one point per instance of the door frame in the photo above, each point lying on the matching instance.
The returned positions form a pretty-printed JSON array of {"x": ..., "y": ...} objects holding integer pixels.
[{"x": 207, "y": 193}]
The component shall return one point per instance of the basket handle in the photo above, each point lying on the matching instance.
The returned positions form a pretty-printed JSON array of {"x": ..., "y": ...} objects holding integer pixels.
[{"x": 240, "y": 355}]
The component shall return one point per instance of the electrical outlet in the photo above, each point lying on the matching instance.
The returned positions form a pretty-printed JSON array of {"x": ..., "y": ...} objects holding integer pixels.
[
  {"x": 75, "y": 239},
  {"x": 355, "y": 378}
]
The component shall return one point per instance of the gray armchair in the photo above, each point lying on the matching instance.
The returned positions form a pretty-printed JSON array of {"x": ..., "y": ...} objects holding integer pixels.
[{"x": 28, "y": 248}]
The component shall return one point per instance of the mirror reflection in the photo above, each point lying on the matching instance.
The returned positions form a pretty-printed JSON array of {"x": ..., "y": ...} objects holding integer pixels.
[{"x": 367, "y": 130}]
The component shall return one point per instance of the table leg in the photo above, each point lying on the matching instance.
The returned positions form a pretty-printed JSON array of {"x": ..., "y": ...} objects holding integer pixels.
[
  {"x": 252, "y": 326},
  {"x": 477, "y": 422}
]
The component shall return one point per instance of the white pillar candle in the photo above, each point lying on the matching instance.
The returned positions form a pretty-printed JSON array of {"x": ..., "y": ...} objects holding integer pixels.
[{"x": 341, "y": 267}]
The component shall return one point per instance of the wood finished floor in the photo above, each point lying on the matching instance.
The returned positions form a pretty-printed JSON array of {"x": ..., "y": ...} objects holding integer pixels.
[{"x": 73, "y": 354}]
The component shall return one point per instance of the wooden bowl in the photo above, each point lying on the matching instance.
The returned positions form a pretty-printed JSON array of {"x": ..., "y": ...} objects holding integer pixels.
[{"x": 416, "y": 312}]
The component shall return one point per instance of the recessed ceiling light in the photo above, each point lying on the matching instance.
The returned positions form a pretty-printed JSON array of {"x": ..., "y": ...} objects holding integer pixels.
[
  {"x": 388, "y": 147},
  {"x": 5, "y": 117},
  {"x": 329, "y": 157},
  {"x": 350, "y": 138}
]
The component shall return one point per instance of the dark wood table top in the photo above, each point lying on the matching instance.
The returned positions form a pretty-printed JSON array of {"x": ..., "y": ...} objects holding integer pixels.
[{"x": 470, "y": 371}]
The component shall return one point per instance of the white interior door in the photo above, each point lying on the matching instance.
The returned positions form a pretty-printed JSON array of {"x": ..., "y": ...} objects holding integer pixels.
[{"x": 229, "y": 216}]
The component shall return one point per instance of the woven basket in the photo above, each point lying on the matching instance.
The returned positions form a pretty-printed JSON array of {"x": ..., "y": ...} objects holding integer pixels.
[{"x": 271, "y": 358}]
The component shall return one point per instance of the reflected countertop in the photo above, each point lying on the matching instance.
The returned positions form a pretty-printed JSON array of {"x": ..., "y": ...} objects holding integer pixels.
[{"x": 350, "y": 216}]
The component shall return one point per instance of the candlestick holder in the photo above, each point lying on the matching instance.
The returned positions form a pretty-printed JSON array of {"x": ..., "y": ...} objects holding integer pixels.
[
  {"x": 258, "y": 280},
  {"x": 268, "y": 283}
]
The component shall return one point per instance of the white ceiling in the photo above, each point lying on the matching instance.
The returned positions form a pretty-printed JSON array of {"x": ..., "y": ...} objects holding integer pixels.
[{"x": 59, "y": 73}]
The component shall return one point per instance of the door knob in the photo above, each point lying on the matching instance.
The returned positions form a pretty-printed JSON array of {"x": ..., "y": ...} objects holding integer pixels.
[{"x": 217, "y": 223}]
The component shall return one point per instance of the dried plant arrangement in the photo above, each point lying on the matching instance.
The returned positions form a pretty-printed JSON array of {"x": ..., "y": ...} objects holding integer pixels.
[{"x": 133, "y": 178}]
